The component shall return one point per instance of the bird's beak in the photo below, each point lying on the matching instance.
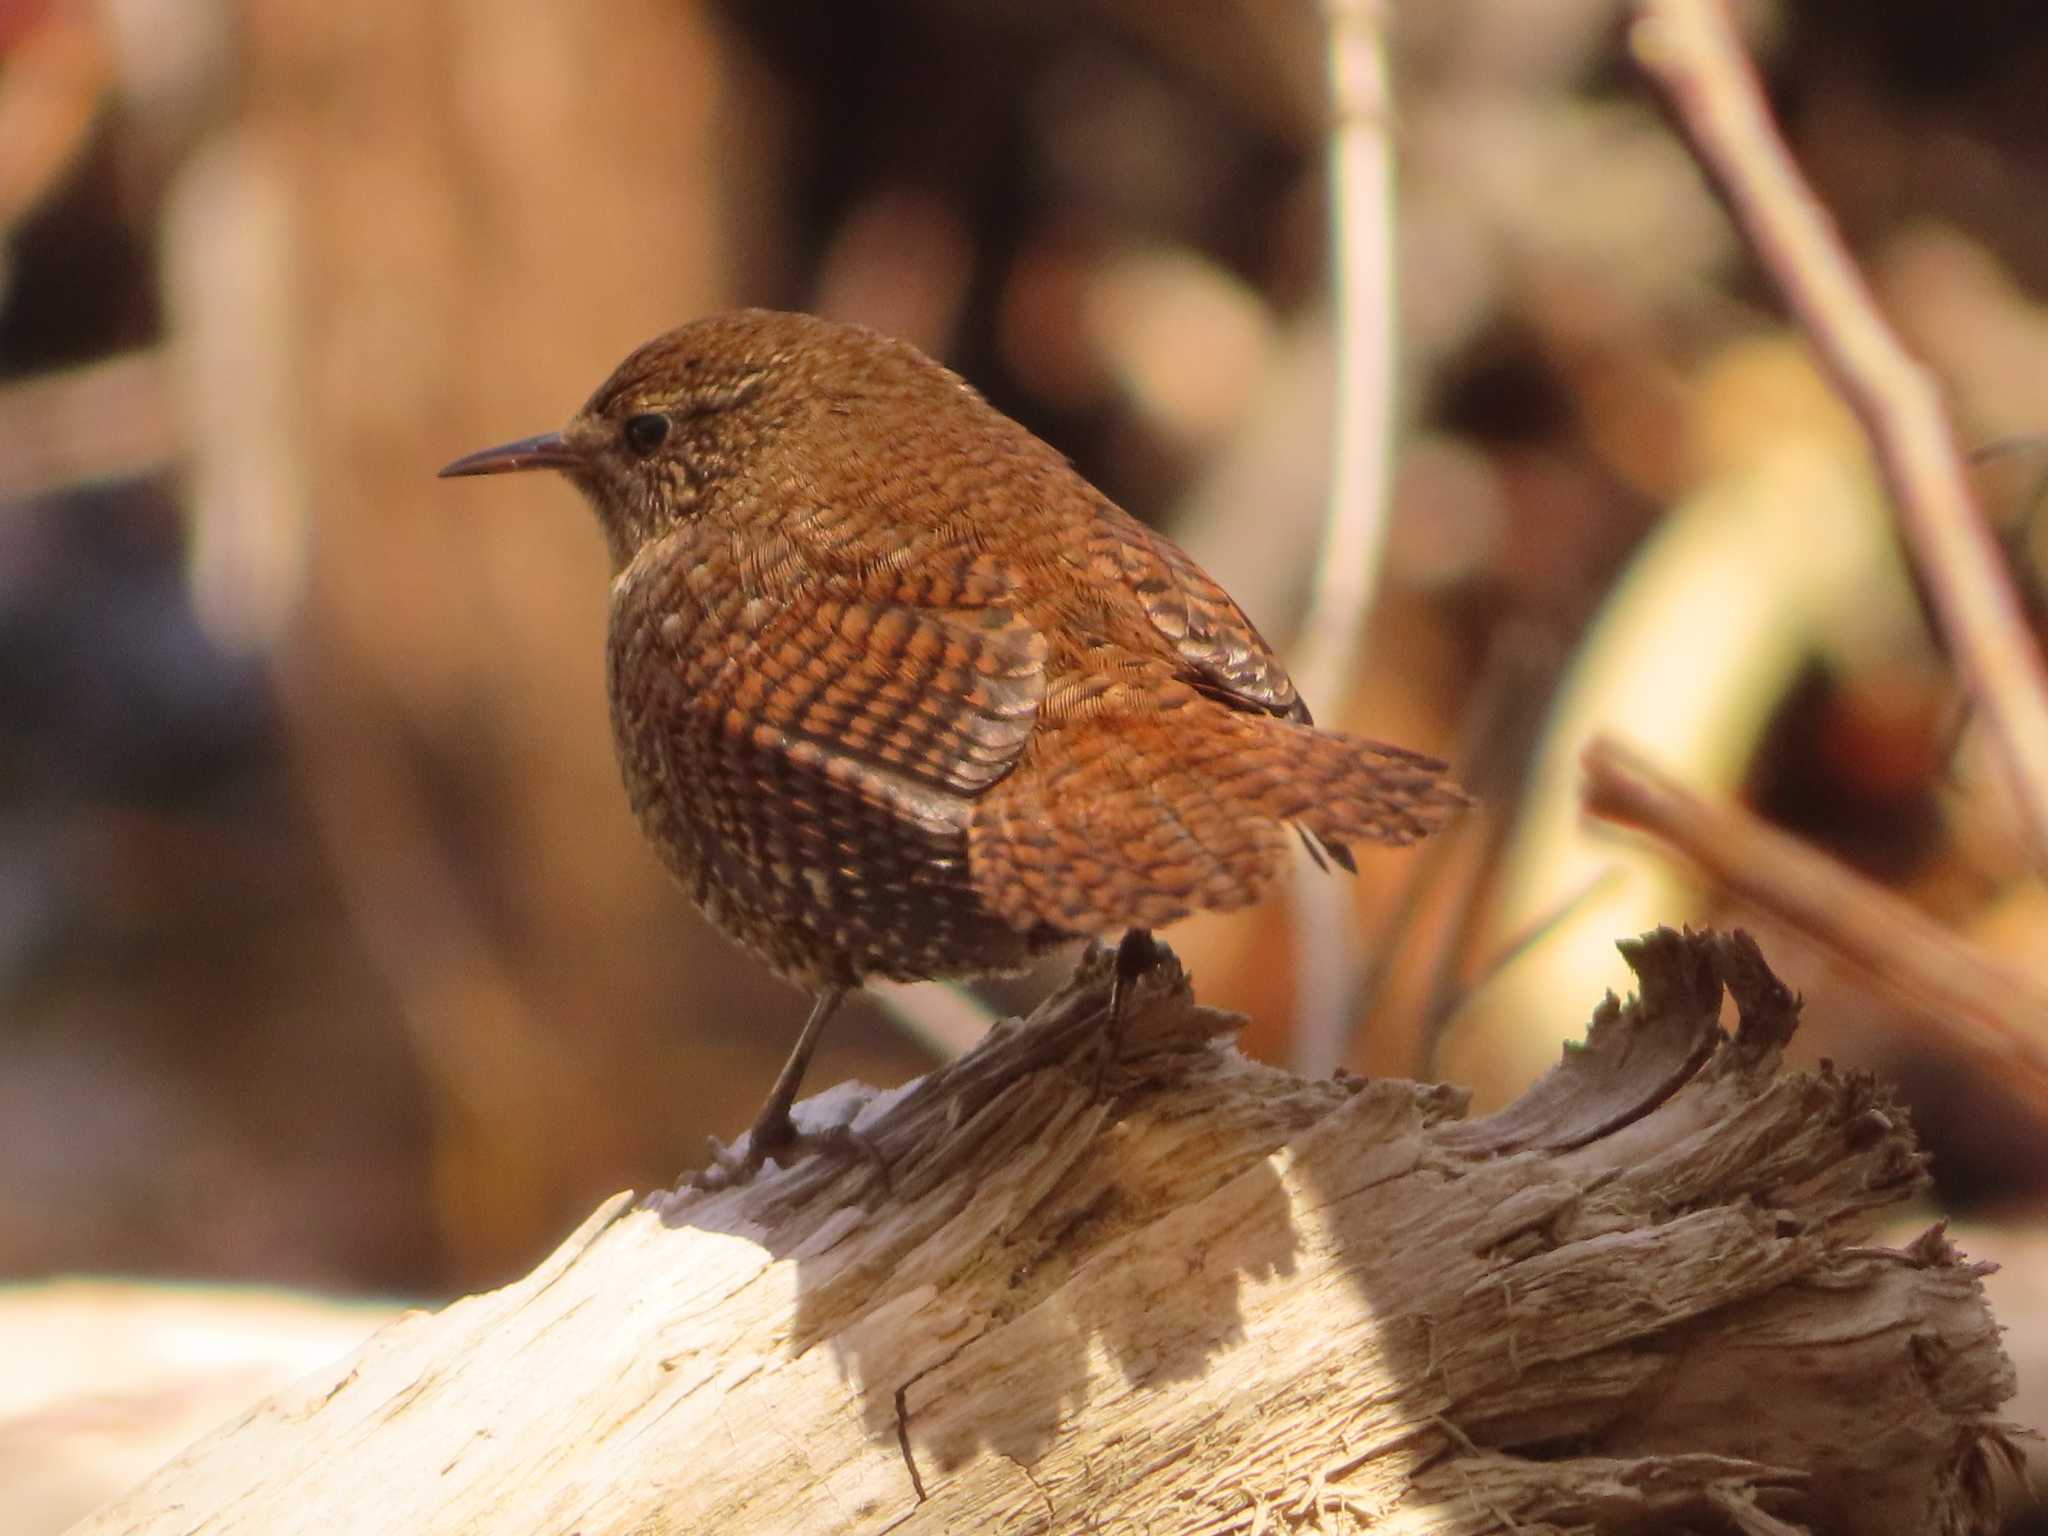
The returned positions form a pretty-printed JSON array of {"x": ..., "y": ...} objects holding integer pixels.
[{"x": 550, "y": 450}]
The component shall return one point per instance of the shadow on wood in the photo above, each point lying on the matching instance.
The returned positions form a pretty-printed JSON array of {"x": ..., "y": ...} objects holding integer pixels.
[{"x": 1214, "y": 1298}]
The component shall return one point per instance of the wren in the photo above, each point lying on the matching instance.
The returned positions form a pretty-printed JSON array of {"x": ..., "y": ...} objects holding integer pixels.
[{"x": 897, "y": 693}]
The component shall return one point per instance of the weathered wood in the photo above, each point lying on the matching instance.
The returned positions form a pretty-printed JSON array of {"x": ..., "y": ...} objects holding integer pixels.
[{"x": 1216, "y": 1299}]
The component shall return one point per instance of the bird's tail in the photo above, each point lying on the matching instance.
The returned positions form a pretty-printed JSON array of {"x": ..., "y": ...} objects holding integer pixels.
[{"x": 1137, "y": 821}]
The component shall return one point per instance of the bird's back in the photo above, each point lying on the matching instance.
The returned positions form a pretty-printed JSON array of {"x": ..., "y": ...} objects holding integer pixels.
[{"x": 905, "y": 695}]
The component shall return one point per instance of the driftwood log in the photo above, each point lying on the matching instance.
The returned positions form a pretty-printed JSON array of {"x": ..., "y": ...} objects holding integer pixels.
[{"x": 1211, "y": 1298}]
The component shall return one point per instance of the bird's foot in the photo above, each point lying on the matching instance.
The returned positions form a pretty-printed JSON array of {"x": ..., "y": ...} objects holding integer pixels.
[
  {"x": 1136, "y": 954},
  {"x": 782, "y": 1141}
]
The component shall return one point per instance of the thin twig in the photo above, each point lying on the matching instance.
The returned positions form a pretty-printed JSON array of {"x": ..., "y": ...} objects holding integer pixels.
[
  {"x": 943, "y": 1017},
  {"x": 1452, "y": 874},
  {"x": 1435, "y": 863},
  {"x": 1501, "y": 730},
  {"x": 1330, "y": 648},
  {"x": 1447, "y": 1002},
  {"x": 54, "y": 93},
  {"x": 1995, "y": 1012},
  {"x": 114, "y": 419},
  {"x": 1691, "y": 51}
]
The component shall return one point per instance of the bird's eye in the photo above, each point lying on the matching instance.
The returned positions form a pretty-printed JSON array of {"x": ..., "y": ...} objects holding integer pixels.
[{"x": 647, "y": 432}]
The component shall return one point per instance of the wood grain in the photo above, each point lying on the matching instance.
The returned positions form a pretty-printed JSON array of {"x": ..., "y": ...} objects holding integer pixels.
[{"x": 1217, "y": 1299}]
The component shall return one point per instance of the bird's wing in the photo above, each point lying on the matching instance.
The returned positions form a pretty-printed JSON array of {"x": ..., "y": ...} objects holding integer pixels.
[
  {"x": 939, "y": 697},
  {"x": 912, "y": 706},
  {"x": 1219, "y": 650}
]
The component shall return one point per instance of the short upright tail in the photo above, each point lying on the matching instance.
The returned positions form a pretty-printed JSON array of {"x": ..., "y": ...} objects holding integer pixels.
[{"x": 1136, "y": 820}]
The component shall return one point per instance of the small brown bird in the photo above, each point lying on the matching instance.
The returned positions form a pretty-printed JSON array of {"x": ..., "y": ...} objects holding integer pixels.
[{"x": 897, "y": 693}]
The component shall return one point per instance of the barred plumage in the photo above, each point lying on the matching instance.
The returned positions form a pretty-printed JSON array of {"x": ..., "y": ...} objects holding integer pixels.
[{"x": 898, "y": 693}]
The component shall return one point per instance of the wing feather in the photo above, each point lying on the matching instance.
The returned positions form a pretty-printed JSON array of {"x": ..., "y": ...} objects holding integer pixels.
[{"x": 1218, "y": 649}]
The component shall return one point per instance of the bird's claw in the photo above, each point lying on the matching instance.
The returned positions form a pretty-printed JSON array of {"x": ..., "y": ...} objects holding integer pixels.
[
  {"x": 729, "y": 1169},
  {"x": 1137, "y": 952}
]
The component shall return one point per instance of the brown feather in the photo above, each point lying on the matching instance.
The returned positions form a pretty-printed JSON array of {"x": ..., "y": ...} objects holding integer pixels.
[{"x": 898, "y": 693}]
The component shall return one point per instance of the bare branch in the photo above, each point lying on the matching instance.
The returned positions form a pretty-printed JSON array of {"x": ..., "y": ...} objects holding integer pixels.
[
  {"x": 1990, "y": 1010},
  {"x": 1354, "y": 530},
  {"x": 1689, "y": 48}
]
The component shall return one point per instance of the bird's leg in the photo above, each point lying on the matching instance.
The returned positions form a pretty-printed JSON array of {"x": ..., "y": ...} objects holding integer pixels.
[
  {"x": 773, "y": 1129},
  {"x": 1136, "y": 953},
  {"x": 773, "y": 1133}
]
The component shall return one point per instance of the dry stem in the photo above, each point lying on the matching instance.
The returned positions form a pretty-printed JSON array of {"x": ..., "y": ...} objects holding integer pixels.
[
  {"x": 1690, "y": 49},
  {"x": 1989, "y": 1009},
  {"x": 1329, "y": 651}
]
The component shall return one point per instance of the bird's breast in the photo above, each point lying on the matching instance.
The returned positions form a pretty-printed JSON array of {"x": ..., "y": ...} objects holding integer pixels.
[{"x": 830, "y": 868}]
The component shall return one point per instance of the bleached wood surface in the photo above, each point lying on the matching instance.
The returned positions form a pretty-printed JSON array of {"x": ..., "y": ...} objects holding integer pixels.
[
  {"x": 1218, "y": 1299},
  {"x": 103, "y": 1380}
]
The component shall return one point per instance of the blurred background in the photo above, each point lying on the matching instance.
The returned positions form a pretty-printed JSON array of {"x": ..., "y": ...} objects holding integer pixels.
[{"x": 329, "y": 954}]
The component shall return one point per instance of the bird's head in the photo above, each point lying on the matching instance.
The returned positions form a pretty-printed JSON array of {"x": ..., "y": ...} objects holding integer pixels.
[{"x": 696, "y": 410}]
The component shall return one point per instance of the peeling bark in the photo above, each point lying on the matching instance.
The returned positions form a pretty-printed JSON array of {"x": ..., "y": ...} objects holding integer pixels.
[{"x": 1218, "y": 1299}]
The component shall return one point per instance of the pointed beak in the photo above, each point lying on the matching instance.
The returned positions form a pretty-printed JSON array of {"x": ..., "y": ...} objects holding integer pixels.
[{"x": 550, "y": 450}]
